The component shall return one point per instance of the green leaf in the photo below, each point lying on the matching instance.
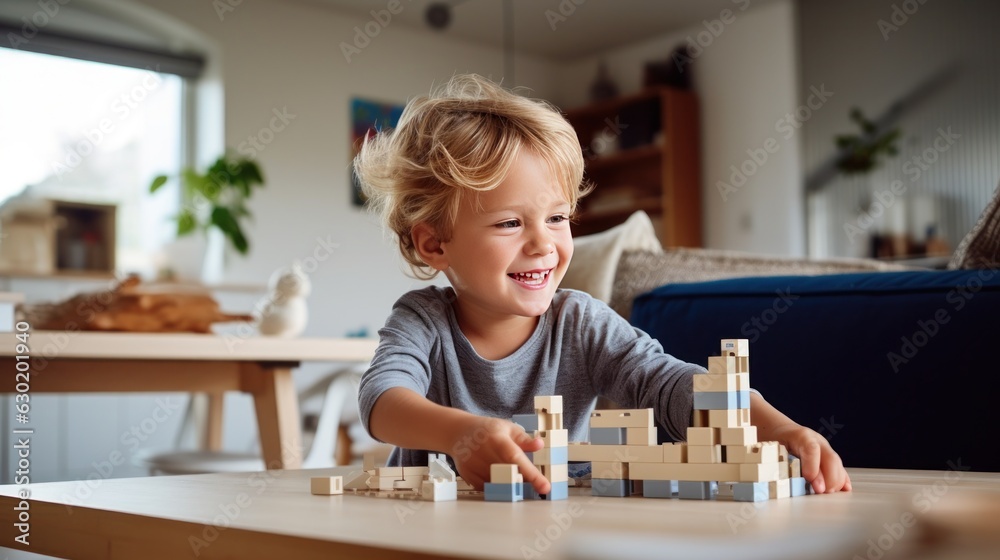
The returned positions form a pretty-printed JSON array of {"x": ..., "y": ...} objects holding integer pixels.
[
  {"x": 225, "y": 221},
  {"x": 157, "y": 183},
  {"x": 251, "y": 173},
  {"x": 186, "y": 223}
]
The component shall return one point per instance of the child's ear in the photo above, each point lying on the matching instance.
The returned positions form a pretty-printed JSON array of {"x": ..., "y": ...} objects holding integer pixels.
[{"x": 428, "y": 246}]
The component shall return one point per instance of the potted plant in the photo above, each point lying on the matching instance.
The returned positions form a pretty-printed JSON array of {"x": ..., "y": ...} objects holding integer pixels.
[
  {"x": 861, "y": 152},
  {"x": 216, "y": 198},
  {"x": 214, "y": 202}
]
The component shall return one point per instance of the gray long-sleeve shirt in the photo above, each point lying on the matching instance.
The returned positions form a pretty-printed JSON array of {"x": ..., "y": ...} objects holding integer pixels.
[{"x": 580, "y": 349}]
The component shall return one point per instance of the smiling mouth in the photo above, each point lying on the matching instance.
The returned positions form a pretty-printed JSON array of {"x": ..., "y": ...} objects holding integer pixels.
[{"x": 531, "y": 278}]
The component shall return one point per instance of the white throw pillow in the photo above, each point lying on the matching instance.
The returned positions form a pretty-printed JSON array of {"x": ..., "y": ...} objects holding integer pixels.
[{"x": 595, "y": 257}]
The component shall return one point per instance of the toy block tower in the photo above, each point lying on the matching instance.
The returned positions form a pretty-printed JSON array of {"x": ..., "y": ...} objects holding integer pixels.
[
  {"x": 610, "y": 430},
  {"x": 552, "y": 459}
]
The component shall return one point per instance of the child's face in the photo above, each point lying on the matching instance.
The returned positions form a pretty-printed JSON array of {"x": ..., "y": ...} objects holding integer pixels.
[{"x": 520, "y": 231}]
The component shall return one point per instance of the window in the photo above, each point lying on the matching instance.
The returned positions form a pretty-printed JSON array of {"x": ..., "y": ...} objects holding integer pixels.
[{"x": 91, "y": 132}]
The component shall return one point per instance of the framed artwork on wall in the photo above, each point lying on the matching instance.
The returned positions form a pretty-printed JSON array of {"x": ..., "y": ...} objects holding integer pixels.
[{"x": 367, "y": 119}]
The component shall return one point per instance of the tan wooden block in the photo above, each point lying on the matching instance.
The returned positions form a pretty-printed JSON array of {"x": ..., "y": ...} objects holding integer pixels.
[
  {"x": 640, "y": 436},
  {"x": 548, "y": 422},
  {"x": 555, "y": 473},
  {"x": 401, "y": 472},
  {"x": 704, "y": 453},
  {"x": 503, "y": 473},
  {"x": 795, "y": 468},
  {"x": 703, "y": 436},
  {"x": 743, "y": 364},
  {"x": 783, "y": 470},
  {"x": 735, "y": 347},
  {"x": 609, "y": 470},
  {"x": 782, "y": 453},
  {"x": 712, "y": 383},
  {"x": 699, "y": 418},
  {"x": 684, "y": 471},
  {"x": 736, "y": 418},
  {"x": 746, "y": 435},
  {"x": 326, "y": 485},
  {"x": 613, "y": 418},
  {"x": 779, "y": 489},
  {"x": 761, "y": 452},
  {"x": 722, "y": 365},
  {"x": 551, "y": 404},
  {"x": 543, "y": 456},
  {"x": 675, "y": 453},
  {"x": 623, "y": 453},
  {"x": 758, "y": 472},
  {"x": 555, "y": 438}
]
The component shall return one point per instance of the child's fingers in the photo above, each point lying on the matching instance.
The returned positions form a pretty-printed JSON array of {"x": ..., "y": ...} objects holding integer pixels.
[
  {"x": 847, "y": 483},
  {"x": 834, "y": 473},
  {"x": 532, "y": 475},
  {"x": 818, "y": 483},
  {"x": 527, "y": 443},
  {"x": 810, "y": 455}
]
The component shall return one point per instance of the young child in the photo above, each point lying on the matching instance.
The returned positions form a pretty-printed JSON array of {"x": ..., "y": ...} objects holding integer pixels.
[{"x": 480, "y": 183}]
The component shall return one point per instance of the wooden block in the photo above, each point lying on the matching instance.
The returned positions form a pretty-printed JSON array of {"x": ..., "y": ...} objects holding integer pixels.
[
  {"x": 326, "y": 485},
  {"x": 795, "y": 468},
  {"x": 779, "y": 489},
  {"x": 640, "y": 436},
  {"x": 746, "y": 435},
  {"x": 685, "y": 471},
  {"x": 703, "y": 436},
  {"x": 635, "y": 418},
  {"x": 782, "y": 453},
  {"x": 761, "y": 452},
  {"x": 743, "y": 364},
  {"x": 704, "y": 453},
  {"x": 503, "y": 473},
  {"x": 699, "y": 418},
  {"x": 548, "y": 421},
  {"x": 401, "y": 472},
  {"x": 736, "y": 347},
  {"x": 783, "y": 470},
  {"x": 712, "y": 383},
  {"x": 609, "y": 470},
  {"x": 623, "y": 453},
  {"x": 550, "y": 456},
  {"x": 721, "y": 365},
  {"x": 728, "y": 418},
  {"x": 555, "y": 438},
  {"x": 555, "y": 473},
  {"x": 610, "y": 436},
  {"x": 550, "y": 404},
  {"x": 369, "y": 462},
  {"x": 675, "y": 453},
  {"x": 757, "y": 472}
]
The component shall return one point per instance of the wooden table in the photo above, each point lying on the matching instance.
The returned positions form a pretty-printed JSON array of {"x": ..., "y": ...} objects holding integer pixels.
[
  {"x": 273, "y": 515},
  {"x": 73, "y": 362}
]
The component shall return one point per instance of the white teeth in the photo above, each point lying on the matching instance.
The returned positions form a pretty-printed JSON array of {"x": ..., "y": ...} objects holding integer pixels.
[{"x": 531, "y": 277}]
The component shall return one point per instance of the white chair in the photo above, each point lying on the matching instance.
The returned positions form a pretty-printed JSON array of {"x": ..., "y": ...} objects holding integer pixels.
[{"x": 338, "y": 390}]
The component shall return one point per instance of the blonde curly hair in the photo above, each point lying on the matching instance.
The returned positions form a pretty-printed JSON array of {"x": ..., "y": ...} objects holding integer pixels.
[{"x": 460, "y": 139}]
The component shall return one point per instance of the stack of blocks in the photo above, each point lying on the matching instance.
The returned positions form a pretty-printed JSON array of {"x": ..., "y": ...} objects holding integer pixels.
[
  {"x": 551, "y": 460},
  {"x": 722, "y": 445}
]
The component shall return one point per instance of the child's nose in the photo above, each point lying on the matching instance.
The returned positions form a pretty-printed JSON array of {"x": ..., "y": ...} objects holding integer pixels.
[{"x": 540, "y": 244}]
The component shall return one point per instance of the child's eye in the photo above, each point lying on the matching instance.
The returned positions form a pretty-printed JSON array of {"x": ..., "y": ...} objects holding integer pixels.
[
  {"x": 558, "y": 218},
  {"x": 509, "y": 224}
]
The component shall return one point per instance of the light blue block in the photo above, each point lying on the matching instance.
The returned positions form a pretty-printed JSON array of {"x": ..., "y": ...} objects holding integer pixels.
[
  {"x": 610, "y": 488},
  {"x": 659, "y": 488},
  {"x": 527, "y": 421},
  {"x": 557, "y": 456},
  {"x": 750, "y": 492},
  {"x": 607, "y": 436},
  {"x": 559, "y": 491},
  {"x": 688, "y": 490},
  {"x": 496, "y": 492},
  {"x": 731, "y": 400},
  {"x": 798, "y": 485}
]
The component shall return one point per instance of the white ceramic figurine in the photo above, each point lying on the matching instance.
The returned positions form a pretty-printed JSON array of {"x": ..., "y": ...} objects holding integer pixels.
[{"x": 283, "y": 311}]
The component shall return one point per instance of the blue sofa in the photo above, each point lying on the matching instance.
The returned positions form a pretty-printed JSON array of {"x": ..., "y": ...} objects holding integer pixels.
[{"x": 896, "y": 369}]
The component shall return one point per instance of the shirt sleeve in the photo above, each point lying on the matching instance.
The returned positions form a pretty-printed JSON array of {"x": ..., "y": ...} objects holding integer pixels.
[
  {"x": 632, "y": 369},
  {"x": 402, "y": 358}
]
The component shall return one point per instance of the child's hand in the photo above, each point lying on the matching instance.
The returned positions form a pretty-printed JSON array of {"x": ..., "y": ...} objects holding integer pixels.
[
  {"x": 821, "y": 466},
  {"x": 485, "y": 441}
]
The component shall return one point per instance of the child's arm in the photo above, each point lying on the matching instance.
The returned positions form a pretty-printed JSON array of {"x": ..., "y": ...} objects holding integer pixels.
[
  {"x": 821, "y": 465},
  {"x": 404, "y": 418}
]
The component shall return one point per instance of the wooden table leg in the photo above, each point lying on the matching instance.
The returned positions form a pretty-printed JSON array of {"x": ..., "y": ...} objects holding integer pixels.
[
  {"x": 277, "y": 414},
  {"x": 212, "y": 436}
]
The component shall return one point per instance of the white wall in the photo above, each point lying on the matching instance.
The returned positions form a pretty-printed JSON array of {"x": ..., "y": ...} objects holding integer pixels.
[{"x": 747, "y": 80}]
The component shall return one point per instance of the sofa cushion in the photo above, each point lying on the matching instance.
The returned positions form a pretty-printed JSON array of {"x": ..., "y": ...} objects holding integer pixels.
[
  {"x": 981, "y": 247},
  {"x": 894, "y": 368},
  {"x": 595, "y": 257},
  {"x": 641, "y": 271}
]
